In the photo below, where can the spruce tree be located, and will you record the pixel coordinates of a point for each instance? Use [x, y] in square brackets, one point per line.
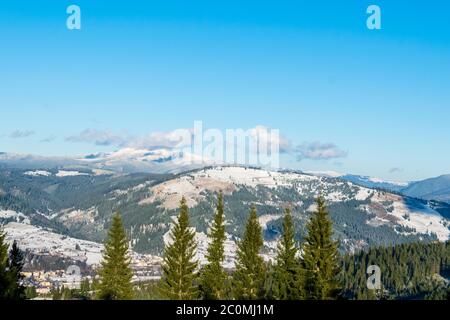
[213, 276]
[178, 280]
[288, 278]
[320, 257]
[4, 278]
[249, 276]
[16, 290]
[115, 272]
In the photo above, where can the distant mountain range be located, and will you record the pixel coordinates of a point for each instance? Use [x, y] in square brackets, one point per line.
[430, 189]
[126, 160]
[437, 188]
[371, 182]
[162, 160]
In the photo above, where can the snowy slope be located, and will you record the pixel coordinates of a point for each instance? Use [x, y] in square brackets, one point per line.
[394, 209]
[44, 242]
[40, 241]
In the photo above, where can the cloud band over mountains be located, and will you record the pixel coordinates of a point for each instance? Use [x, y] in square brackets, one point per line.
[171, 139]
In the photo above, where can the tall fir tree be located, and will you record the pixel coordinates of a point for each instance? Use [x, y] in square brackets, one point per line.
[288, 276]
[320, 257]
[4, 261]
[213, 281]
[115, 272]
[16, 290]
[249, 276]
[179, 277]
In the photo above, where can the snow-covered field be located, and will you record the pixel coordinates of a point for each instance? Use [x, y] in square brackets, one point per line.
[44, 242]
[17, 216]
[38, 173]
[230, 179]
[65, 173]
[59, 174]
[422, 219]
[225, 179]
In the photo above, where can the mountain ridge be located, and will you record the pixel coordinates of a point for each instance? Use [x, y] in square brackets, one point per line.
[80, 205]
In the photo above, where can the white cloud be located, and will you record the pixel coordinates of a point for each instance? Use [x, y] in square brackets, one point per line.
[99, 138]
[266, 137]
[182, 138]
[21, 134]
[319, 151]
[168, 139]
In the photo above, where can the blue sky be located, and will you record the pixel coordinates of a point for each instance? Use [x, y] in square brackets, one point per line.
[309, 68]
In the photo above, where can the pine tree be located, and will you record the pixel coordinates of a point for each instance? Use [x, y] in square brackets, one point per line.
[213, 276]
[249, 276]
[178, 280]
[115, 272]
[288, 278]
[4, 279]
[16, 290]
[320, 257]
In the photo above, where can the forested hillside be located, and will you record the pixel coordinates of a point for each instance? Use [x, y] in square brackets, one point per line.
[408, 271]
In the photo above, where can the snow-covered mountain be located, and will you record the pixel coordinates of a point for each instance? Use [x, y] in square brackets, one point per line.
[144, 160]
[430, 189]
[371, 182]
[365, 181]
[127, 160]
[28, 161]
[79, 204]
[164, 160]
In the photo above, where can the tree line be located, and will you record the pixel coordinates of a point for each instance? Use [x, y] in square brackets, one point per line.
[311, 275]
[409, 271]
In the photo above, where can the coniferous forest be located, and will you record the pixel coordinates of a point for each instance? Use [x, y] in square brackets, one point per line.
[313, 269]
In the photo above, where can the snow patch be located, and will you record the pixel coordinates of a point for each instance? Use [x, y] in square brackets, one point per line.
[38, 173]
[63, 173]
[265, 219]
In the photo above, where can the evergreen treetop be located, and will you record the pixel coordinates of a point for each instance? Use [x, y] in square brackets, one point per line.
[249, 276]
[4, 280]
[16, 289]
[115, 272]
[178, 280]
[320, 257]
[213, 276]
[288, 281]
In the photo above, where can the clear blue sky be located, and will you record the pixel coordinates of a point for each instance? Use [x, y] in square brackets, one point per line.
[309, 68]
